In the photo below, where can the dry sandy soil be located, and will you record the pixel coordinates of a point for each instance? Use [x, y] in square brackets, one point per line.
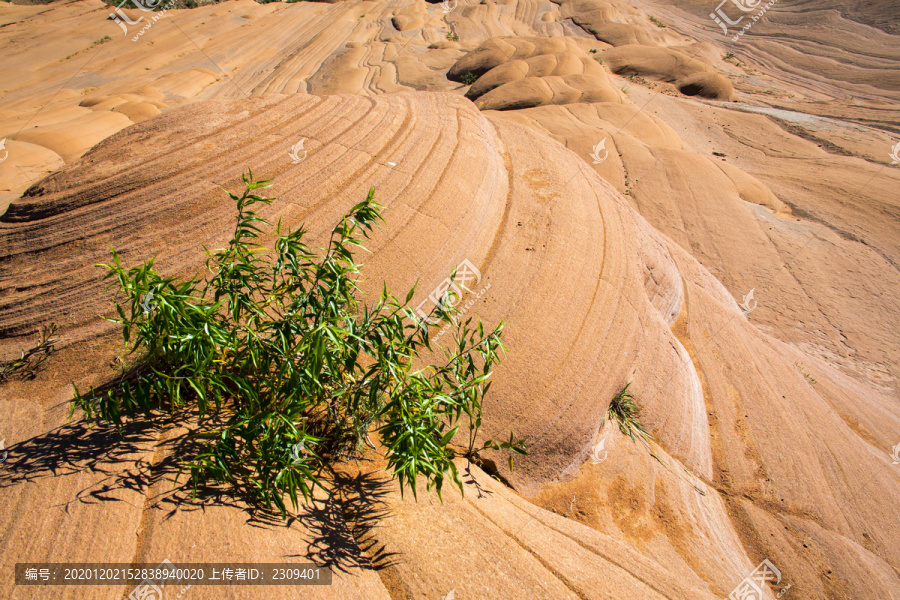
[716, 221]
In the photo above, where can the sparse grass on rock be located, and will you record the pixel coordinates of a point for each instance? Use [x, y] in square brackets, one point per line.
[30, 361]
[625, 412]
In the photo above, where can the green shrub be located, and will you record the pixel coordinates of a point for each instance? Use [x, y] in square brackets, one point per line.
[281, 370]
[469, 78]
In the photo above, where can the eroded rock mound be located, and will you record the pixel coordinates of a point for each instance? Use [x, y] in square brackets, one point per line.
[616, 22]
[521, 73]
[541, 91]
[691, 76]
[542, 65]
[516, 73]
[499, 50]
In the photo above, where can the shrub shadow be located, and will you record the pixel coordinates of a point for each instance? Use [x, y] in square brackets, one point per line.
[341, 524]
[337, 520]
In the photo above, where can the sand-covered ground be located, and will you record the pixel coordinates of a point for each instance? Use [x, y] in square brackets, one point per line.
[645, 199]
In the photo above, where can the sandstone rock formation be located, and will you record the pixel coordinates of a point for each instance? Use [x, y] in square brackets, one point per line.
[618, 210]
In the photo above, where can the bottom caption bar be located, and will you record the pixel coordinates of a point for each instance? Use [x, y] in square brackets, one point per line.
[156, 577]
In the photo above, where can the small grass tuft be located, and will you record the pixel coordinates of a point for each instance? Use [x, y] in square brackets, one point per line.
[469, 78]
[28, 364]
[452, 36]
[96, 43]
[624, 411]
[809, 378]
